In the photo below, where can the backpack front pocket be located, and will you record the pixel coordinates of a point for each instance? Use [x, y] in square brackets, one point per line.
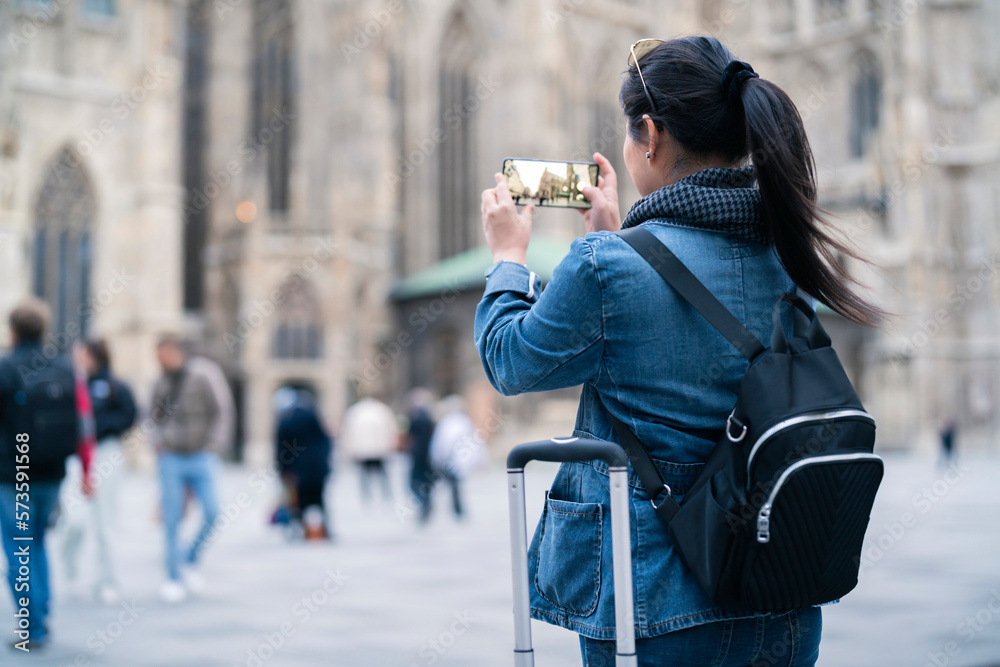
[569, 555]
[809, 529]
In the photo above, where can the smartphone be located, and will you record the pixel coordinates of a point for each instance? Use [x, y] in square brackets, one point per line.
[549, 183]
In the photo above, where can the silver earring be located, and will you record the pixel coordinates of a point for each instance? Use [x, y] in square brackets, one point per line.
[647, 155]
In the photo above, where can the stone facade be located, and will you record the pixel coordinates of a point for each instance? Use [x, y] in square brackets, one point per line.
[86, 101]
[261, 173]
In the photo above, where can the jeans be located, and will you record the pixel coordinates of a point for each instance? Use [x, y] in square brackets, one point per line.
[789, 640]
[178, 474]
[96, 514]
[43, 501]
[374, 468]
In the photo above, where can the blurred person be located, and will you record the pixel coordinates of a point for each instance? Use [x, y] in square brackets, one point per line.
[947, 431]
[114, 413]
[302, 455]
[457, 447]
[727, 180]
[193, 416]
[419, 432]
[45, 416]
[369, 434]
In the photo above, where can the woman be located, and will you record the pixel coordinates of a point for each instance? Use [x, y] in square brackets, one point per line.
[114, 413]
[302, 456]
[727, 181]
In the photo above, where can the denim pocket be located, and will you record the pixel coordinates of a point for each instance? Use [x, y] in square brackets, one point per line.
[569, 555]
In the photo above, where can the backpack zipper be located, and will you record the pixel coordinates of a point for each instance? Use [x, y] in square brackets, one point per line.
[764, 514]
[802, 419]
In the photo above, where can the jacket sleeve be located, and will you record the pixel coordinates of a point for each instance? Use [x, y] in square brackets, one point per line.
[158, 412]
[87, 442]
[221, 433]
[530, 340]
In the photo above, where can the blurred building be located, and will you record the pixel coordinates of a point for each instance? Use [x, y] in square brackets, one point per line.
[295, 184]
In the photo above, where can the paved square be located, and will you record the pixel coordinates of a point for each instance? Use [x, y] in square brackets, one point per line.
[387, 593]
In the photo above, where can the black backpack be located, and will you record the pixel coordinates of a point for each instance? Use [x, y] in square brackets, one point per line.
[776, 519]
[44, 407]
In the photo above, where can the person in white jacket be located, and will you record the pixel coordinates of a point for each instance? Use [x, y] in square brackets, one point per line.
[369, 435]
[457, 447]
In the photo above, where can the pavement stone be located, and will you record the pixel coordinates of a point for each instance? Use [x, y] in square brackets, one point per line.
[388, 593]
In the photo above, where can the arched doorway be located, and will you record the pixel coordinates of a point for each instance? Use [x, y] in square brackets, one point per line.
[62, 246]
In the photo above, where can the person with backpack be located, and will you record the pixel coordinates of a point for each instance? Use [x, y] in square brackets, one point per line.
[193, 416]
[727, 182]
[302, 456]
[114, 414]
[45, 417]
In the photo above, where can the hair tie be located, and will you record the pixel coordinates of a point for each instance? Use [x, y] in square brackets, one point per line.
[733, 76]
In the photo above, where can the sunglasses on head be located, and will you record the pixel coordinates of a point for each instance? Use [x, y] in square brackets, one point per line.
[637, 52]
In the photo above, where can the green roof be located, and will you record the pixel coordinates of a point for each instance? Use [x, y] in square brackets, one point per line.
[465, 270]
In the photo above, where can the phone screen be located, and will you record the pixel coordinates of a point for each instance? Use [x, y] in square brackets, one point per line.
[549, 183]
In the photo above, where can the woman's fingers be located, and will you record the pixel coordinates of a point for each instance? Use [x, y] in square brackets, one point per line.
[526, 213]
[489, 199]
[608, 176]
[503, 192]
[595, 196]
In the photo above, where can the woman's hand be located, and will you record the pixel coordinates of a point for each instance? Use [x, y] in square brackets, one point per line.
[603, 215]
[507, 232]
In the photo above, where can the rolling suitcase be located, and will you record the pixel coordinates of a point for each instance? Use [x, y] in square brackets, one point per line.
[564, 450]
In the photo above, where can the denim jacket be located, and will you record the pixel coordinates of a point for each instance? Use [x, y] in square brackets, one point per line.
[608, 321]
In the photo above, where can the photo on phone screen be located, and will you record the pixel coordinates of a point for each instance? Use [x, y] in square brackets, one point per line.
[549, 183]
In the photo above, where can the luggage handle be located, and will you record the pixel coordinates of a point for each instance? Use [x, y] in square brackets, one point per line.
[566, 450]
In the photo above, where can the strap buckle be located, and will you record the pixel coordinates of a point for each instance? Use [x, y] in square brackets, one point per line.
[729, 428]
[666, 493]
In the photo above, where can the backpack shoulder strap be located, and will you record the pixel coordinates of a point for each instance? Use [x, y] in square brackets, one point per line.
[678, 276]
[661, 496]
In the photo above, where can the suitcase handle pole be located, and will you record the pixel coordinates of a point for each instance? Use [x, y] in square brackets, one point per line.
[563, 450]
[523, 653]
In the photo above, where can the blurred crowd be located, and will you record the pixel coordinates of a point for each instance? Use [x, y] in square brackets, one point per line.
[64, 418]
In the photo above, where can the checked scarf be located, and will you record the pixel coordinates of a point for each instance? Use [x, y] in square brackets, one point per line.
[717, 199]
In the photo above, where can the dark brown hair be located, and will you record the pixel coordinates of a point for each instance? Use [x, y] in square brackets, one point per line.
[97, 348]
[29, 320]
[757, 122]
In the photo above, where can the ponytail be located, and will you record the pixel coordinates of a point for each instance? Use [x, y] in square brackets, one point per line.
[716, 106]
[786, 177]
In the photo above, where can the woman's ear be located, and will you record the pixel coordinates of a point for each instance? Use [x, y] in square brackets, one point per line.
[652, 136]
